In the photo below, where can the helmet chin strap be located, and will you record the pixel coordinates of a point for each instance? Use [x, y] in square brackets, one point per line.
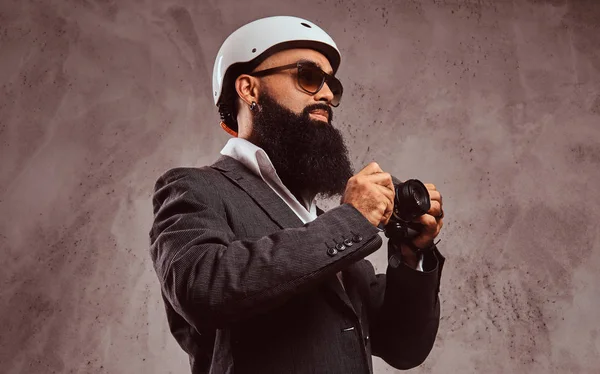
[228, 130]
[253, 108]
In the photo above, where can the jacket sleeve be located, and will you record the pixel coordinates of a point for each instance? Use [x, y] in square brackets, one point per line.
[404, 311]
[212, 279]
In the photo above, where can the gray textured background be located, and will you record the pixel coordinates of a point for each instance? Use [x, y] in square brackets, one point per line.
[496, 102]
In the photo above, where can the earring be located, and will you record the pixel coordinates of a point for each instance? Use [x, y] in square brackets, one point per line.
[253, 106]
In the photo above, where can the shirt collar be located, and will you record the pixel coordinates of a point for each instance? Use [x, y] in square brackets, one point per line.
[257, 160]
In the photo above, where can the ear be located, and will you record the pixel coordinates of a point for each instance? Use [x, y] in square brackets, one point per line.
[247, 88]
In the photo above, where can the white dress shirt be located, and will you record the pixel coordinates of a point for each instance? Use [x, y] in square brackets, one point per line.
[257, 160]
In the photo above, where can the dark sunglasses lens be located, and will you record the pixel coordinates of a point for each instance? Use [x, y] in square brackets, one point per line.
[310, 78]
[336, 88]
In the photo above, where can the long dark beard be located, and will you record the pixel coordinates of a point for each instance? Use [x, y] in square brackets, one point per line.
[309, 156]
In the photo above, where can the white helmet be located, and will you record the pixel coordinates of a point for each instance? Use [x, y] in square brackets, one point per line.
[270, 34]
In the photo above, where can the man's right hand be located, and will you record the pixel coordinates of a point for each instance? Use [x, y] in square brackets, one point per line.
[371, 192]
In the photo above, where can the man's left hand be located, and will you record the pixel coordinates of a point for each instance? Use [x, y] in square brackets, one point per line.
[432, 224]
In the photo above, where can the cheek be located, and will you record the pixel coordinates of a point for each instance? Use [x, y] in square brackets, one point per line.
[293, 101]
[299, 101]
[290, 96]
[297, 105]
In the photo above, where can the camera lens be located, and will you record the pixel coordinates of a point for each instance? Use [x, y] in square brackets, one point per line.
[412, 200]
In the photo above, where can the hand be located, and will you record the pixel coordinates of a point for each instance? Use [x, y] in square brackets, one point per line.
[371, 192]
[432, 220]
[432, 224]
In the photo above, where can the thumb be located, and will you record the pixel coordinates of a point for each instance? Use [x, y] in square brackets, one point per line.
[387, 215]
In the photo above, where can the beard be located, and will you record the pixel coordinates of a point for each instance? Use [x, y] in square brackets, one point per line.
[310, 156]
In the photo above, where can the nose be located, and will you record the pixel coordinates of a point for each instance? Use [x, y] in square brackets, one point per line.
[324, 94]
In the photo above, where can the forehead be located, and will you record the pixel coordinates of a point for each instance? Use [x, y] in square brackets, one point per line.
[291, 56]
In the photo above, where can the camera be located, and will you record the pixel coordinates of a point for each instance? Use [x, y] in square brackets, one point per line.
[411, 201]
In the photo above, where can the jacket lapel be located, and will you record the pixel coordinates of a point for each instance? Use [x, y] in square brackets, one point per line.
[259, 191]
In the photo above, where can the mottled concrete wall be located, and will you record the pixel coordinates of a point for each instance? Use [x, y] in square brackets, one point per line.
[496, 102]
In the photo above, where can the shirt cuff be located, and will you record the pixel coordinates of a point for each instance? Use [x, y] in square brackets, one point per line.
[420, 263]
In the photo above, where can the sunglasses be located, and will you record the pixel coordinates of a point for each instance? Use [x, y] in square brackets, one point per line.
[310, 78]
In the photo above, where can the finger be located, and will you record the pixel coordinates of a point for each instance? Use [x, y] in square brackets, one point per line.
[435, 195]
[383, 179]
[435, 209]
[428, 221]
[431, 229]
[430, 186]
[389, 194]
[386, 217]
[371, 168]
[389, 210]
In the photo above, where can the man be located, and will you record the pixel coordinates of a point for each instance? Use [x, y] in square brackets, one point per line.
[257, 279]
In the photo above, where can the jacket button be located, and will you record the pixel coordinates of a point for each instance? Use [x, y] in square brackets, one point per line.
[357, 238]
[348, 242]
[366, 339]
[332, 251]
[340, 247]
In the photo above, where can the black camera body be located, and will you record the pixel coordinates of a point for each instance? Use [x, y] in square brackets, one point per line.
[411, 201]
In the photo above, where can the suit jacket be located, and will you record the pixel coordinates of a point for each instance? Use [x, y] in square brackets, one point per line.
[249, 288]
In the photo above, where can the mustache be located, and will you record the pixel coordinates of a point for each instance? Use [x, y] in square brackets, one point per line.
[324, 107]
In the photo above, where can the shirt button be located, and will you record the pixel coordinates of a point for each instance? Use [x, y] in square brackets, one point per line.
[348, 242]
[332, 251]
[340, 247]
[357, 238]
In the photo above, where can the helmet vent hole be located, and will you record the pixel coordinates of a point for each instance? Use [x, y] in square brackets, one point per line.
[306, 25]
[253, 50]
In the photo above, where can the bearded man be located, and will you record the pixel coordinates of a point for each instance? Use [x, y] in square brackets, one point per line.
[255, 277]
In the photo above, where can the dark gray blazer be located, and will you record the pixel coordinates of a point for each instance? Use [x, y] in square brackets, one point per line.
[249, 288]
